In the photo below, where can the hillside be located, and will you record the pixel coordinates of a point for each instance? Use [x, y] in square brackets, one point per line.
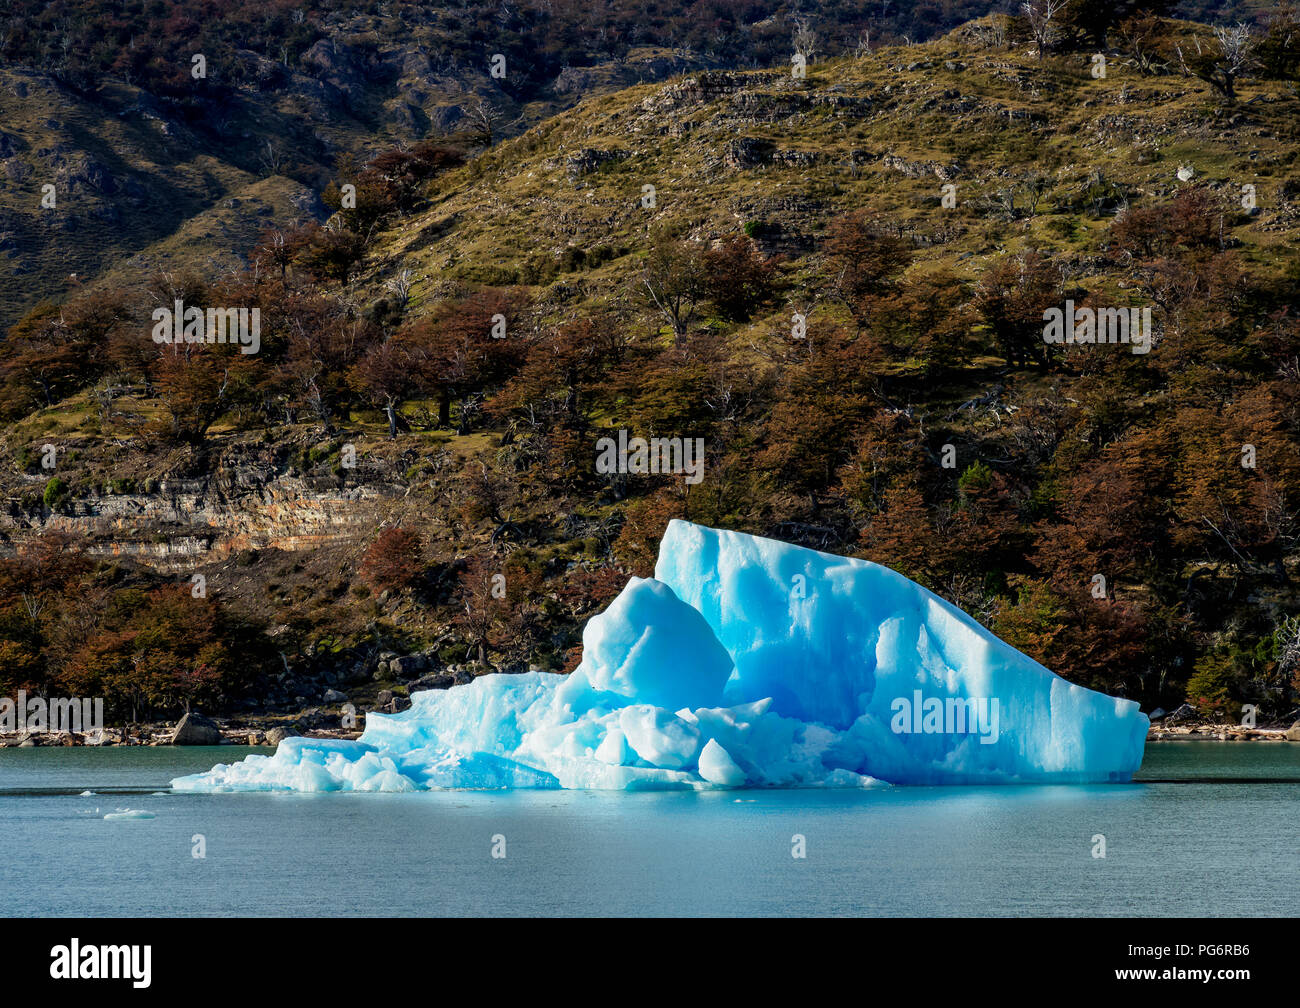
[839, 285]
[104, 102]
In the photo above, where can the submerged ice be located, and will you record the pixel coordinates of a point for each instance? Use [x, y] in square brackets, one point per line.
[743, 662]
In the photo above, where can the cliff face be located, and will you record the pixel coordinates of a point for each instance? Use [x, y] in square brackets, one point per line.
[189, 523]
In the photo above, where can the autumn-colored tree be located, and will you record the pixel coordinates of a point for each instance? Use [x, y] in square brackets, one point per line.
[193, 387]
[888, 446]
[161, 651]
[927, 317]
[1110, 513]
[865, 255]
[1011, 297]
[1192, 221]
[331, 253]
[394, 561]
[390, 183]
[824, 395]
[325, 340]
[560, 375]
[737, 277]
[901, 534]
[465, 346]
[54, 351]
[278, 248]
[1097, 643]
[501, 612]
[637, 546]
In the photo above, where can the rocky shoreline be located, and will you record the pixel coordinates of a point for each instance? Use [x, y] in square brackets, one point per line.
[339, 716]
[1185, 725]
[317, 722]
[198, 730]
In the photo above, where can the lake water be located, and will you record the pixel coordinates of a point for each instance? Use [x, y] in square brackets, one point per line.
[1209, 830]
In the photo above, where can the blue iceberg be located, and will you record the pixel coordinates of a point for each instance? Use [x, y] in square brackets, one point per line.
[745, 662]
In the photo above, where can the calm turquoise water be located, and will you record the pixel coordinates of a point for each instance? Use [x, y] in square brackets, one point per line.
[1210, 832]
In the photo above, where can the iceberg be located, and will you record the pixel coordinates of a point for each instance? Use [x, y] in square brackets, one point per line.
[744, 662]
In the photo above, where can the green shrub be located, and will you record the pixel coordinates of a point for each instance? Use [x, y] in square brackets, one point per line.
[55, 491]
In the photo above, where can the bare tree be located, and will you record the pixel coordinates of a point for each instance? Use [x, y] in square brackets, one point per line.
[1042, 18]
[990, 33]
[1034, 187]
[272, 158]
[400, 287]
[805, 41]
[1287, 635]
[1141, 38]
[483, 117]
[1221, 69]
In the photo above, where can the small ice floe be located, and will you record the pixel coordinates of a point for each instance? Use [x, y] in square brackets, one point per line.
[86, 794]
[130, 814]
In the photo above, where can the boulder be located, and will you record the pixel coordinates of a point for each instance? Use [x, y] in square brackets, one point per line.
[407, 667]
[333, 696]
[384, 697]
[195, 729]
[460, 675]
[1293, 733]
[277, 735]
[435, 680]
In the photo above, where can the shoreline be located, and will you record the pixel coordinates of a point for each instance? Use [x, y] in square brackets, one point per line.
[269, 733]
[161, 734]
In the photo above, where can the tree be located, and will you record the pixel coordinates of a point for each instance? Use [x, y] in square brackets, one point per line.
[676, 279]
[1220, 64]
[394, 561]
[193, 383]
[902, 534]
[1142, 39]
[1044, 17]
[804, 40]
[1094, 19]
[1011, 298]
[1211, 685]
[385, 376]
[738, 279]
[820, 402]
[501, 611]
[1278, 52]
[331, 253]
[1192, 221]
[560, 376]
[464, 346]
[866, 258]
[325, 338]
